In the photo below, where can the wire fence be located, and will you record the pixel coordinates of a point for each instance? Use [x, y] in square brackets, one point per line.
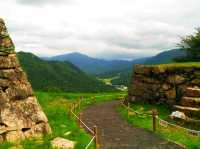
[157, 121]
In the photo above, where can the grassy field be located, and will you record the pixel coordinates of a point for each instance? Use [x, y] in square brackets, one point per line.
[55, 106]
[145, 122]
[108, 81]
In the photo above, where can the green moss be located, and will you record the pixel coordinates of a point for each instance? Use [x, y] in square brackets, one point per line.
[179, 65]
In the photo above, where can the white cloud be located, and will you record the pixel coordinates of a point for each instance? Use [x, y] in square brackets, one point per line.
[100, 28]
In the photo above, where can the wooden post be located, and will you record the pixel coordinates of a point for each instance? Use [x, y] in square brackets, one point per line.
[96, 141]
[94, 99]
[81, 98]
[79, 120]
[154, 114]
[79, 104]
[128, 110]
[69, 111]
[74, 107]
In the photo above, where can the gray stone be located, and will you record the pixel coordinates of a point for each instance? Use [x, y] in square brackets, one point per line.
[192, 92]
[9, 61]
[61, 143]
[196, 81]
[13, 136]
[166, 87]
[171, 94]
[6, 44]
[142, 69]
[176, 79]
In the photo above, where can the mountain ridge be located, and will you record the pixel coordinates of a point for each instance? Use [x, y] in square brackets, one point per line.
[125, 75]
[58, 76]
[92, 65]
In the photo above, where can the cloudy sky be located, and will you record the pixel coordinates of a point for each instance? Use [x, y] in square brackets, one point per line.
[110, 29]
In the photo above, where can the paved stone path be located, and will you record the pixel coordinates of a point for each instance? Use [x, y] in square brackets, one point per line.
[116, 133]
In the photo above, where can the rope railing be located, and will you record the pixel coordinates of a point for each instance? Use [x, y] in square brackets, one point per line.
[165, 123]
[162, 122]
[72, 111]
[132, 110]
[92, 132]
[90, 143]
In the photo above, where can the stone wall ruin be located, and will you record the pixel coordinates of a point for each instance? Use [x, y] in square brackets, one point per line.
[178, 87]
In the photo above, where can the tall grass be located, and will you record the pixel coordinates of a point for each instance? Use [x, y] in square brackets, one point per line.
[177, 135]
[56, 106]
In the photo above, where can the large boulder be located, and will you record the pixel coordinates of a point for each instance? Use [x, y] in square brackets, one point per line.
[21, 116]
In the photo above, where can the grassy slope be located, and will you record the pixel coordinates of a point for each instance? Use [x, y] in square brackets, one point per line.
[60, 76]
[55, 105]
[186, 64]
[146, 122]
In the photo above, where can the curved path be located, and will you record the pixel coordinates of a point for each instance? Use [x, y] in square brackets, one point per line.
[115, 133]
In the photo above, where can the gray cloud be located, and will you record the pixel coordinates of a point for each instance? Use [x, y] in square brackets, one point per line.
[43, 2]
[130, 29]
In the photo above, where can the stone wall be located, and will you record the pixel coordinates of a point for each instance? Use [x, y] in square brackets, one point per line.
[164, 84]
[21, 116]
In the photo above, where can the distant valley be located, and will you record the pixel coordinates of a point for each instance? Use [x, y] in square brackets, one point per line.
[118, 72]
[59, 76]
[76, 72]
[91, 65]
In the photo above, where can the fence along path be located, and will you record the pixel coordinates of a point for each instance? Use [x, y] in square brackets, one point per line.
[115, 133]
[72, 111]
[161, 122]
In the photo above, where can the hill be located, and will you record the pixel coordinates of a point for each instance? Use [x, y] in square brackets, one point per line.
[161, 58]
[58, 76]
[166, 56]
[92, 65]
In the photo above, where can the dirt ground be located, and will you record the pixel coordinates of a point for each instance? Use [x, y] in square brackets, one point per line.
[115, 133]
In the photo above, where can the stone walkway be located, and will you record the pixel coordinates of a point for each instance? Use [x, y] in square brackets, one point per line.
[116, 133]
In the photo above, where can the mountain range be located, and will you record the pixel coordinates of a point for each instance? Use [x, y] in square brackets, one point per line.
[59, 76]
[166, 56]
[92, 65]
[98, 67]
[161, 58]
[77, 72]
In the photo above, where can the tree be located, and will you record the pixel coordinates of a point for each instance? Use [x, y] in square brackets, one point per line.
[191, 44]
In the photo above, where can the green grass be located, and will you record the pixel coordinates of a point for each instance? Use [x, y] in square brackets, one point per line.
[176, 135]
[43, 76]
[108, 81]
[181, 64]
[55, 106]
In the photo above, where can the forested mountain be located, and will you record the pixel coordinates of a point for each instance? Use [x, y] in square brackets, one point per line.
[125, 75]
[57, 73]
[92, 65]
[166, 56]
[58, 76]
